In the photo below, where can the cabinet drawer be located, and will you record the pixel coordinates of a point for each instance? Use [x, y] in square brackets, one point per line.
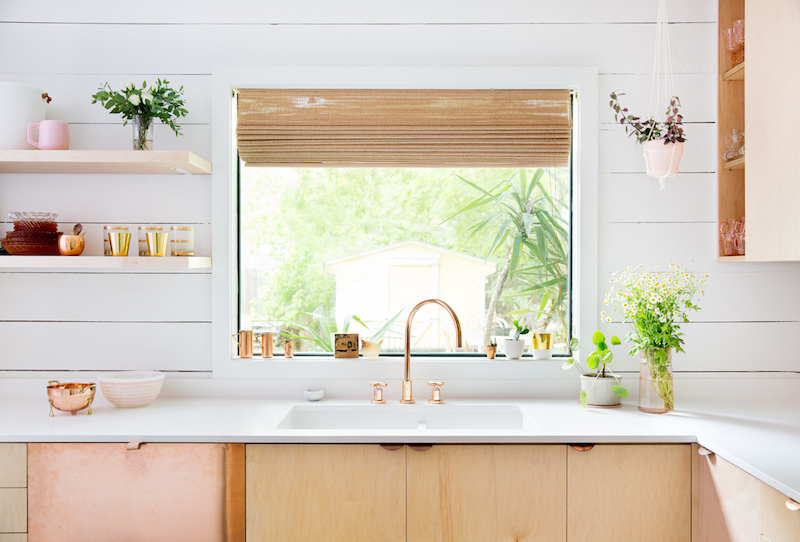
[778, 523]
[13, 537]
[13, 465]
[13, 510]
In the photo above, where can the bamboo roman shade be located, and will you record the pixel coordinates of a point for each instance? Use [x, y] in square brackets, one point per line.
[393, 128]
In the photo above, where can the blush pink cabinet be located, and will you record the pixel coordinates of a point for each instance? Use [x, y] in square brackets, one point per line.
[154, 492]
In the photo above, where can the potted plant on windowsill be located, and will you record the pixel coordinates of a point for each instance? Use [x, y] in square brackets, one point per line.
[491, 349]
[601, 388]
[663, 141]
[513, 348]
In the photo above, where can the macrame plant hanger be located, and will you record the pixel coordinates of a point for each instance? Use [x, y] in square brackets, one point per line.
[662, 69]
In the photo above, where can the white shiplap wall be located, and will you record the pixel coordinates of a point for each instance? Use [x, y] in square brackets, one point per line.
[91, 321]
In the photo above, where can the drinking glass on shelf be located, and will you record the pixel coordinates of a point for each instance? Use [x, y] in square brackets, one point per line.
[738, 31]
[182, 241]
[732, 46]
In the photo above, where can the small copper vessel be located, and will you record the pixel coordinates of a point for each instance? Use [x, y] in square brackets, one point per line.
[70, 397]
[70, 245]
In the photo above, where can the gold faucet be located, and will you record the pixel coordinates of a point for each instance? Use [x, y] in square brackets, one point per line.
[407, 399]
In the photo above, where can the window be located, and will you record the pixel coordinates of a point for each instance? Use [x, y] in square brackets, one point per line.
[225, 211]
[355, 249]
[326, 250]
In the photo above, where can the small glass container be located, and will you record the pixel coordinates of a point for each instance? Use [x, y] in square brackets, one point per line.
[182, 241]
[106, 239]
[143, 231]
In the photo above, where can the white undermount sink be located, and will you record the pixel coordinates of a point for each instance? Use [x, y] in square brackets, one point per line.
[416, 417]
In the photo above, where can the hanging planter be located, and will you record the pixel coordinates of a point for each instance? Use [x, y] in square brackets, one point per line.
[662, 139]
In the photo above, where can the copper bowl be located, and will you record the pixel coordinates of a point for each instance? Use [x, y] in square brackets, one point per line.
[70, 245]
[70, 397]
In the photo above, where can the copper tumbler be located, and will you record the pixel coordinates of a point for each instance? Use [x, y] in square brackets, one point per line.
[245, 341]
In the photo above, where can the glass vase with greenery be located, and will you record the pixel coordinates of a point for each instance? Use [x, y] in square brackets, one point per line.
[142, 106]
[655, 304]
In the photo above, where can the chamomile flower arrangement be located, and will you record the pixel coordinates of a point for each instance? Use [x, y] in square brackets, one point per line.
[142, 106]
[655, 304]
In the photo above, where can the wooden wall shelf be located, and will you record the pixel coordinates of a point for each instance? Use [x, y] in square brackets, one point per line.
[734, 74]
[734, 164]
[126, 162]
[731, 258]
[103, 262]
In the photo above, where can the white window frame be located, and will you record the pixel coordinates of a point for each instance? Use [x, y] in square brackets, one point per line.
[225, 361]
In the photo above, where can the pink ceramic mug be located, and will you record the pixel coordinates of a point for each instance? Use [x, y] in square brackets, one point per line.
[53, 135]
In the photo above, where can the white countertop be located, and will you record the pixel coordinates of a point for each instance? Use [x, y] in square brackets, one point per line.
[754, 425]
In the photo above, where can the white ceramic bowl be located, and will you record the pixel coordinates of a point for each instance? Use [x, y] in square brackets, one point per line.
[130, 389]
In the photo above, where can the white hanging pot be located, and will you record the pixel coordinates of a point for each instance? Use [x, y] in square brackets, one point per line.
[662, 161]
[20, 105]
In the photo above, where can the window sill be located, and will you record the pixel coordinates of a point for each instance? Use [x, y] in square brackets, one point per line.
[320, 368]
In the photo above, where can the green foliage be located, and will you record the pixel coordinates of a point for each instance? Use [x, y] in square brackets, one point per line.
[519, 330]
[600, 358]
[156, 102]
[529, 219]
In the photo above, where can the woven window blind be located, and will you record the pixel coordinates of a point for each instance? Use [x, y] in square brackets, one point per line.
[395, 128]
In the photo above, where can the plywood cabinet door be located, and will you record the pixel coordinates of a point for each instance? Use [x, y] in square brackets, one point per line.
[772, 113]
[778, 522]
[728, 502]
[13, 465]
[636, 492]
[330, 492]
[161, 492]
[487, 492]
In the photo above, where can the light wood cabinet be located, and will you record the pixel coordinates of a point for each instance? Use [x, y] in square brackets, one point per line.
[331, 492]
[778, 522]
[487, 492]
[629, 492]
[764, 186]
[160, 492]
[728, 502]
[13, 492]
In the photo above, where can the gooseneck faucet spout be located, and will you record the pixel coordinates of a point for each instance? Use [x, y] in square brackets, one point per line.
[407, 397]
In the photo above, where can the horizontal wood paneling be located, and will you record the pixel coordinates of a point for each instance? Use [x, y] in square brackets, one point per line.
[752, 304]
[620, 153]
[118, 199]
[72, 94]
[740, 297]
[689, 197]
[731, 346]
[358, 11]
[198, 48]
[98, 297]
[696, 91]
[95, 346]
[689, 243]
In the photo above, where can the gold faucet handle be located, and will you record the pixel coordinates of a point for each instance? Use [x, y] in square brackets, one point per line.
[436, 393]
[377, 396]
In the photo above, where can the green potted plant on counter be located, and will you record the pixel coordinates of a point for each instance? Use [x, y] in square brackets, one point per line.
[513, 348]
[601, 388]
[655, 304]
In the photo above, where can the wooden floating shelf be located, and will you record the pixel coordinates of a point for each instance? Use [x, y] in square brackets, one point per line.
[731, 258]
[141, 162]
[104, 262]
[734, 74]
[734, 164]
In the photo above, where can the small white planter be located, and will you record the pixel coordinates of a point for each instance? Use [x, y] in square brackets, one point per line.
[512, 349]
[599, 392]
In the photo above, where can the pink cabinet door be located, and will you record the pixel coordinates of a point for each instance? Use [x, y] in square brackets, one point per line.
[159, 492]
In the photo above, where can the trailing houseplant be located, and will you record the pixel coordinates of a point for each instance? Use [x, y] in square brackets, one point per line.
[655, 304]
[662, 140]
[142, 106]
[610, 388]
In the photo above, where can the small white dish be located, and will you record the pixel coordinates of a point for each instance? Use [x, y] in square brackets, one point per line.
[314, 395]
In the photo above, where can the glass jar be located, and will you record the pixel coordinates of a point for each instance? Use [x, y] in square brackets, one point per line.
[656, 392]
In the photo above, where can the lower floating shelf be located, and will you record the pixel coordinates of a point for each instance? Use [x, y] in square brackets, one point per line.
[731, 259]
[104, 262]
